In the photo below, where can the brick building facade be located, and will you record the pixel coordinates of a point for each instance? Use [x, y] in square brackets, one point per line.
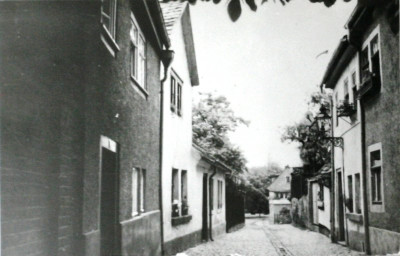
[80, 127]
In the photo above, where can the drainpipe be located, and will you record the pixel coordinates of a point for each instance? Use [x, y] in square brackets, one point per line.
[211, 201]
[333, 236]
[344, 194]
[167, 57]
[364, 181]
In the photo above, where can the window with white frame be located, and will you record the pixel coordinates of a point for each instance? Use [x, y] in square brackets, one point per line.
[346, 90]
[184, 194]
[354, 89]
[357, 193]
[220, 194]
[349, 199]
[108, 16]
[137, 55]
[176, 93]
[138, 190]
[376, 176]
[336, 104]
[370, 57]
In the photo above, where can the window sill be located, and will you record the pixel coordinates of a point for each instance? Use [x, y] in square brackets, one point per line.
[176, 221]
[143, 92]
[109, 41]
[354, 217]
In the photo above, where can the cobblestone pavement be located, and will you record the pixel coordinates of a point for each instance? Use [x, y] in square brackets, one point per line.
[260, 238]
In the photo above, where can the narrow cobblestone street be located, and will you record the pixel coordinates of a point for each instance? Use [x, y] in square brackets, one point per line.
[260, 238]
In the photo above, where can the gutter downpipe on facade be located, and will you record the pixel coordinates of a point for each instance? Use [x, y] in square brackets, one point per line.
[211, 201]
[333, 236]
[364, 168]
[167, 56]
[364, 181]
[344, 194]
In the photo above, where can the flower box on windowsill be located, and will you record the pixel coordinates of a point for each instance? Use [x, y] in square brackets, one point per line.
[175, 221]
[354, 217]
[344, 108]
[370, 86]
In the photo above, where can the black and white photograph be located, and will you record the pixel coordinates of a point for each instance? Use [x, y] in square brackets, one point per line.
[199, 127]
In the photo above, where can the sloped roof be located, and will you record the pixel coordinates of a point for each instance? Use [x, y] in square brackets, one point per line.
[211, 160]
[172, 11]
[281, 184]
[178, 11]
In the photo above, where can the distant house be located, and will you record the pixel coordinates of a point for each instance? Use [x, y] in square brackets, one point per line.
[80, 122]
[279, 193]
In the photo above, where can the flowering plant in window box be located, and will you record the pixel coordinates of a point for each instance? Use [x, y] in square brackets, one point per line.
[175, 209]
[185, 208]
[345, 108]
[370, 85]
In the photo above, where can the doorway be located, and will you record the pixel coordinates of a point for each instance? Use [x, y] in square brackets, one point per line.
[109, 234]
[340, 207]
[204, 230]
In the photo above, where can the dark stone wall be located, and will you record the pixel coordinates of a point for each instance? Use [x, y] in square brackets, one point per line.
[141, 236]
[41, 127]
[60, 91]
[182, 243]
[382, 124]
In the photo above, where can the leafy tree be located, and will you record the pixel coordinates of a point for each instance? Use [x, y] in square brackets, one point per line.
[313, 146]
[212, 121]
[235, 6]
[257, 181]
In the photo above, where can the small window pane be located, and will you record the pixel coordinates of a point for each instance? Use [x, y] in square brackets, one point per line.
[134, 33]
[374, 45]
[142, 189]
[357, 195]
[135, 191]
[133, 61]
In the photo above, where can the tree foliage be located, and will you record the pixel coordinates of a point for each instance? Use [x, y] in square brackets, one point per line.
[212, 121]
[313, 146]
[235, 6]
[257, 181]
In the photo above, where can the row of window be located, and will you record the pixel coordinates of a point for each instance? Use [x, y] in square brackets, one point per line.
[179, 194]
[137, 42]
[138, 54]
[353, 200]
[369, 64]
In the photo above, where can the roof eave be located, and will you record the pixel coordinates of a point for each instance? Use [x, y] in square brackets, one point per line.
[341, 57]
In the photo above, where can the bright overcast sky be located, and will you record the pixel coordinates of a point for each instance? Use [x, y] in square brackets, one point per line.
[266, 65]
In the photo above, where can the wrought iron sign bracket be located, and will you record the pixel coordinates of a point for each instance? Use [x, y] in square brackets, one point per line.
[336, 141]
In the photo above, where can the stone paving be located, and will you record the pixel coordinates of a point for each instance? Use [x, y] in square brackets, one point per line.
[260, 238]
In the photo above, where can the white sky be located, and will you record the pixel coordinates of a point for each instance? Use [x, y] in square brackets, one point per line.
[265, 64]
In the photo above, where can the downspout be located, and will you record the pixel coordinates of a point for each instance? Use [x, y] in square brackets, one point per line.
[344, 194]
[211, 201]
[167, 57]
[364, 168]
[333, 236]
[364, 181]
